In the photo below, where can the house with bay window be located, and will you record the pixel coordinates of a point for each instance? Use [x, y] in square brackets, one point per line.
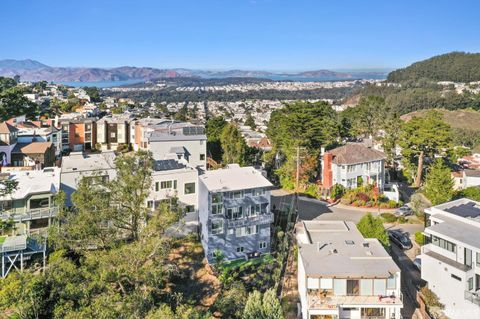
[451, 256]
[234, 213]
[343, 275]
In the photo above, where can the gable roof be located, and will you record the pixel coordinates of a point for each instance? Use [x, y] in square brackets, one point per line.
[6, 128]
[355, 153]
[32, 148]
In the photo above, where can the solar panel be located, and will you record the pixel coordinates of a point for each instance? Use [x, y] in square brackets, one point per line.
[169, 164]
[465, 210]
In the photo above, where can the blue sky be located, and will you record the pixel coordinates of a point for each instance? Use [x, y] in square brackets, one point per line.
[221, 34]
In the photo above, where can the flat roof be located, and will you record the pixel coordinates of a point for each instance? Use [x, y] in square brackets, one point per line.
[337, 249]
[34, 182]
[80, 162]
[234, 177]
[467, 233]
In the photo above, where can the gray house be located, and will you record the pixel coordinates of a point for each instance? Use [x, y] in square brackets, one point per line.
[234, 212]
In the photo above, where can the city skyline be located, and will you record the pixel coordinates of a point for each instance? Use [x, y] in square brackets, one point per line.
[257, 35]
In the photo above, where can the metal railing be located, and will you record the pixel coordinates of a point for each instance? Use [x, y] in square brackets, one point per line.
[473, 297]
[35, 213]
[258, 219]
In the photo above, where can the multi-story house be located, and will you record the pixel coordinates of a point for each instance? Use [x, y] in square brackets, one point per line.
[31, 205]
[451, 256]
[353, 165]
[341, 274]
[174, 178]
[78, 165]
[78, 132]
[113, 131]
[34, 154]
[165, 137]
[8, 140]
[234, 212]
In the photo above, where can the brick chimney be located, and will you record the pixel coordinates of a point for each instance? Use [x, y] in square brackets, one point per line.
[327, 178]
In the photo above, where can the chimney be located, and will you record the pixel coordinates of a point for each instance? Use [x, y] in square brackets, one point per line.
[327, 175]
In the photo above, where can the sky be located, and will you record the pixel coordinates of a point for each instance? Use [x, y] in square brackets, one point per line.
[241, 34]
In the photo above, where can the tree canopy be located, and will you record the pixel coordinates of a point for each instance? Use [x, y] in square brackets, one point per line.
[439, 183]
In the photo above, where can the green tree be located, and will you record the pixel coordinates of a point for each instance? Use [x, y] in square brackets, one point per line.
[439, 183]
[253, 306]
[423, 137]
[263, 307]
[93, 93]
[250, 121]
[231, 301]
[233, 145]
[372, 227]
[214, 128]
[472, 192]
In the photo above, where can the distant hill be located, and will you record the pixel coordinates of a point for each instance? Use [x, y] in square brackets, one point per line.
[462, 119]
[455, 66]
[31, 70]
[21, 64]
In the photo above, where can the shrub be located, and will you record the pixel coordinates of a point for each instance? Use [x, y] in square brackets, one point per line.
[363, 197]
[401, 220]
[372, 227]
[338, 191]
[392, 204]
[430, 298]
[419, 238]
[389, 217]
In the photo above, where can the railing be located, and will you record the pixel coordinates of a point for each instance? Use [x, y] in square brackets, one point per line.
[35, 213]
[473, 297]
[259, 219]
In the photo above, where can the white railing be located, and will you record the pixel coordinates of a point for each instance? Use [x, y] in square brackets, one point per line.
[258, 219]
[35, 213]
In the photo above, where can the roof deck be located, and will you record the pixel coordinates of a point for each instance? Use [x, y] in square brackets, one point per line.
[317, 301]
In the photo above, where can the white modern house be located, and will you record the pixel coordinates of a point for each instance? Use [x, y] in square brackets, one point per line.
[174, 178]
[353, 165]
[79, 165]
[343, 275]
[234, 212]
[164, 137]
[466, 178]
[451, 256]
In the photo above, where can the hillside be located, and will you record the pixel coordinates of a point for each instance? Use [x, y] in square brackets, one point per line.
[455, 66]
[461, 119]
[21, 64]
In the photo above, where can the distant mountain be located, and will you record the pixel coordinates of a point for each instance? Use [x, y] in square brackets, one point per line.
[30, 70]
[21, 64]
[455, 66]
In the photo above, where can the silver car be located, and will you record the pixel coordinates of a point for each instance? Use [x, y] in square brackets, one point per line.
[404, 211]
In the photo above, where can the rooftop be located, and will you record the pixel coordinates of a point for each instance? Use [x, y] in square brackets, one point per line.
[79, 162]
[6, 128]
[338, 249]
[234, 177]
[355, 153]
[462, 207]
[168, 164]
[32, 148]
[34, 182]
[176, 131]
[466, 233]
[472, 173]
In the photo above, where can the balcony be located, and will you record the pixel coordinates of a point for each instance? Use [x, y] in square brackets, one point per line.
[473, 297]
[256, 220]
[316, 301]
[35, 213]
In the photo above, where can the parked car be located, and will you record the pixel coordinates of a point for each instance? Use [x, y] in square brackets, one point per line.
[399, 239]
[417, 262]
[404, 211]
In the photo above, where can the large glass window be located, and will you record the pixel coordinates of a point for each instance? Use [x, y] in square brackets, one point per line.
[468, 257]
[392, 282]
[379, 287]
[445, 244]
[217, 227]
[366, 287]
[353, 287]
[168, 185]
[217, 209]
[189, 188]
[339, 287]
[216, 198]
[373, 312]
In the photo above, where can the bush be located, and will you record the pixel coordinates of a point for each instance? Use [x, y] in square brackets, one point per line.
[363, 197]
[372, 227]
[419, 238]
[392, 204]
[430, 298]
[389, 217]
[337, 191]
[402, 220]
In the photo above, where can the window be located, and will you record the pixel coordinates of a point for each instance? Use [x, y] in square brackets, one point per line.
[247, 230]
[258, 192]
[478, 260]
[202, 157]
[373, 312]
[166, 184]
[157, 186]
[235, 212]
[237, 194]
[353, 287]
[217, 209]
[468, 257]
[189, 208]
[392, 282]
[240, 249]
[263, 245]
[379, 287]
[189, 188]
[442, 243]
[217, 227]
[456, 277]
[470, 283]
[217, 198]
[366, 287]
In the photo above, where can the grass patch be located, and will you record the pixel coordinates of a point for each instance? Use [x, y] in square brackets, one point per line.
[241, 264]
[2, 239]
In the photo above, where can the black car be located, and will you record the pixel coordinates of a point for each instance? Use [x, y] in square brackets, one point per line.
[399, 239]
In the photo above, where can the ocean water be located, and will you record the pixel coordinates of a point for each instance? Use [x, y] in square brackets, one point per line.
[101, 84]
